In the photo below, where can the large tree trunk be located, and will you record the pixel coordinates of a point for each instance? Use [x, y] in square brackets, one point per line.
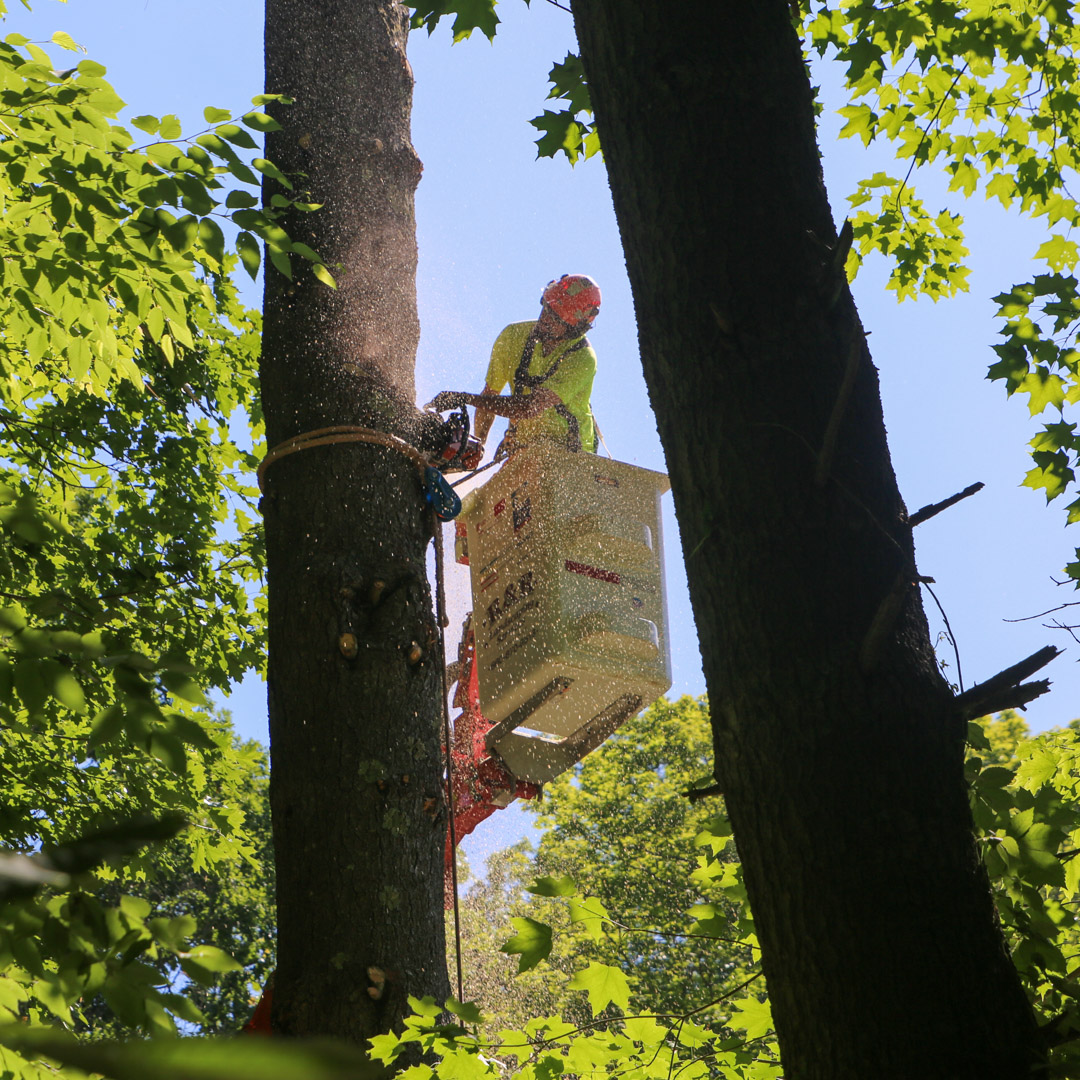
[838, 745]
[354, 685]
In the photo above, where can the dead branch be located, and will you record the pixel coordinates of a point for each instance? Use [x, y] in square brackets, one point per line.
[927, 512]
[697, 794]
[1007, 690]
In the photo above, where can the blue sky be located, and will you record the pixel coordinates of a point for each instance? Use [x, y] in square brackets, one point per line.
[494, 225]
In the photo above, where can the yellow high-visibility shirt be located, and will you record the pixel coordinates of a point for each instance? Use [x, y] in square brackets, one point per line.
[572, 381]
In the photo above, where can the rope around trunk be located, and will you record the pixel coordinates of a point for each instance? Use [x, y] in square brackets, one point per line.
[350, 433]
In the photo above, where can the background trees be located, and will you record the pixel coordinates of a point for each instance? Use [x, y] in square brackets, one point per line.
[124, 355]
[621, 827]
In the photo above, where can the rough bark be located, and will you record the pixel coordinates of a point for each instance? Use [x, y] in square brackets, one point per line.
[354, 687]
[838, 745]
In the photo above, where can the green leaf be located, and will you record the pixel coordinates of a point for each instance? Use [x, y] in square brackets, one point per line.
[48, 993]
[191, 732]
[752, 1016]
[568, 83]
[532, 941]
[710, 921]
[1059, 252]
[182, 233]
[211, 958]
[63, 686]
[693, 1036]
[169, 750]
[250, 253]
[562, 133]
[1039, 767]
[591, 914]
[268, 168]
[469, 15]
[645, 1030]
[281, 262]
[467, 1011]
[604, 984]
[1044, 389]
[30, 685]
[215, 116]
[212, 239]
[238, 200]
[235, 134]
[183, 686]
[170, 128]
[66, 41]
[324, 275]
[552, 886]
[260, 121]
[107, 725]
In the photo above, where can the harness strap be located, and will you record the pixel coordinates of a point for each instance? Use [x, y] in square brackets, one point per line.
[523, 380]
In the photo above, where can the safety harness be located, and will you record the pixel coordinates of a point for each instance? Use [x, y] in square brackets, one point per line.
[524, 381]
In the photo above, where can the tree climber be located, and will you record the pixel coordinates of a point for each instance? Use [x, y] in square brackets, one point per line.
[549, 365]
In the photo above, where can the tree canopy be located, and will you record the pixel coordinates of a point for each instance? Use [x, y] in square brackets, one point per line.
[129, 571]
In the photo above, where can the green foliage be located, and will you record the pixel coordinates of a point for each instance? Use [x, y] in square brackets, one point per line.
[612, 988]
[987, 91]
[130, 563]
[192, 1059]
[230, 906]
[571, 130]
[469, 15]
[623, 950]
[728, 1036]
[926, 253]
[60, 944]
[1025, 796]
[622, 823]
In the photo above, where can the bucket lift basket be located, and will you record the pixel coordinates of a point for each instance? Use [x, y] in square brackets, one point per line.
[566, 561]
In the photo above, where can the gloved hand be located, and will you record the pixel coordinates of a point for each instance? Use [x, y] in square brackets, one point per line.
[448, 399]
[472, 455]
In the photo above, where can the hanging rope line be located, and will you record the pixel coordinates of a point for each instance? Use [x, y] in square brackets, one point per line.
[342, 433]
[443, 620]
[350, 433]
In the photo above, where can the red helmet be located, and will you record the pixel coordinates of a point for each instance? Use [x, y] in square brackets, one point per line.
[575, 298]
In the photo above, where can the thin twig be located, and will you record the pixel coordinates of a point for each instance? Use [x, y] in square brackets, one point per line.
[1049, 611]
[948, 629]
[926, 131]
[1057, 624]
